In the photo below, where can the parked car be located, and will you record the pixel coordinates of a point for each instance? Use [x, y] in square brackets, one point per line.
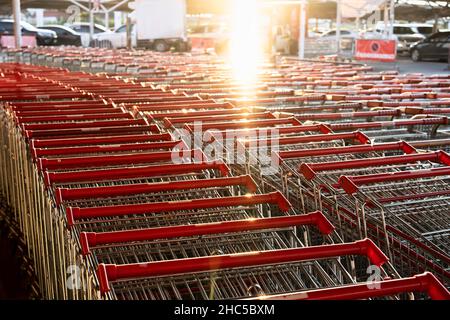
[435, 47]
[347, 37]
[7, 28]
[114, 39]
[83, 28]
[43, 37]
[66, 36]
[331, 34]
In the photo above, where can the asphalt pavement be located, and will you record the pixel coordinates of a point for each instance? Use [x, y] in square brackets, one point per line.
[406, 65]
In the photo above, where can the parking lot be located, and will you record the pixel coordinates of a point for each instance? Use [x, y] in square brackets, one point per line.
[406, 65]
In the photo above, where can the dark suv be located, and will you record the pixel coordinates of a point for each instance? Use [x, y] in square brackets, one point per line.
[43, 37]
[435, 47]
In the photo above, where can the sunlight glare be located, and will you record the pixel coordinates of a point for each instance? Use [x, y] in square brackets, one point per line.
[246, 45]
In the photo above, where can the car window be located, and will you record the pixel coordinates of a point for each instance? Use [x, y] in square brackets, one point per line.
[83, 29]
[97, 30]
[28, 26]
[56, 29]
[122, 29]
[330, 33]
[425, 30]
[439, 37]
[6, 27]
[403, 30]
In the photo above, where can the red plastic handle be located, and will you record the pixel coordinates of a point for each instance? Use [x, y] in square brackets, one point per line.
[425, 282]
[186, 113]
[430, 143]
[113, 159]
[87, 124]
[54, 143]
[187, 105]
[351, 184]
[133, 173]
[67, 112]
[38, 152]
[74, 213]
[351, 115]
[247, 124]
[351, 149]
[47, 106]
[388, 124]
[361, 137]
[64, 194]
[91, 239]
[111, 272]
[91, 132]
[78, 117]
[310, 170]
[278, 131]
[171, 120]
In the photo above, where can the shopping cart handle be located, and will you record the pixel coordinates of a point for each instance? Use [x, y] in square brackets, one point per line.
[112, 272]
[310, 170]
[211, 134]
[255, 124]
[85, 124]
[55, 143]
[349, 115]
[89, 240]
[69, 118]
[75, 213]
[359, 136]
[117, 148]
[65, 194]
[425, 282]
[402, 146]
[119, 159]
[388, 124]
[170, 121]
[90, 132]
[351, 184]
[190, 105]
[133, 172]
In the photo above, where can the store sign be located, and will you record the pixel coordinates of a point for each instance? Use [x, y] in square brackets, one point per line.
[374, 49]
[9, 42]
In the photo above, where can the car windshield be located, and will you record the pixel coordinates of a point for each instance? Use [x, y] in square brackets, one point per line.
[403, 30]
[28, 26]
[425, 30]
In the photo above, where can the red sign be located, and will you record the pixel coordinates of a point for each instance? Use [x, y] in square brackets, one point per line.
[9, 42]
[374, 49]
[202, 43]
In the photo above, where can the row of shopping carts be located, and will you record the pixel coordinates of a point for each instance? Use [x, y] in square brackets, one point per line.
[118, 199]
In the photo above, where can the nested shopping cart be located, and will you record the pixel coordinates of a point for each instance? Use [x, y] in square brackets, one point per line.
[391, 172]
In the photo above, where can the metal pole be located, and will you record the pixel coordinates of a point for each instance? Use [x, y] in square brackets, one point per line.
[338, 25]
[392, 18]
[129, 42]
[106, 19]
[17, 26]
[386, 21]
[91, 22]
[117, 19]
[302, 34]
